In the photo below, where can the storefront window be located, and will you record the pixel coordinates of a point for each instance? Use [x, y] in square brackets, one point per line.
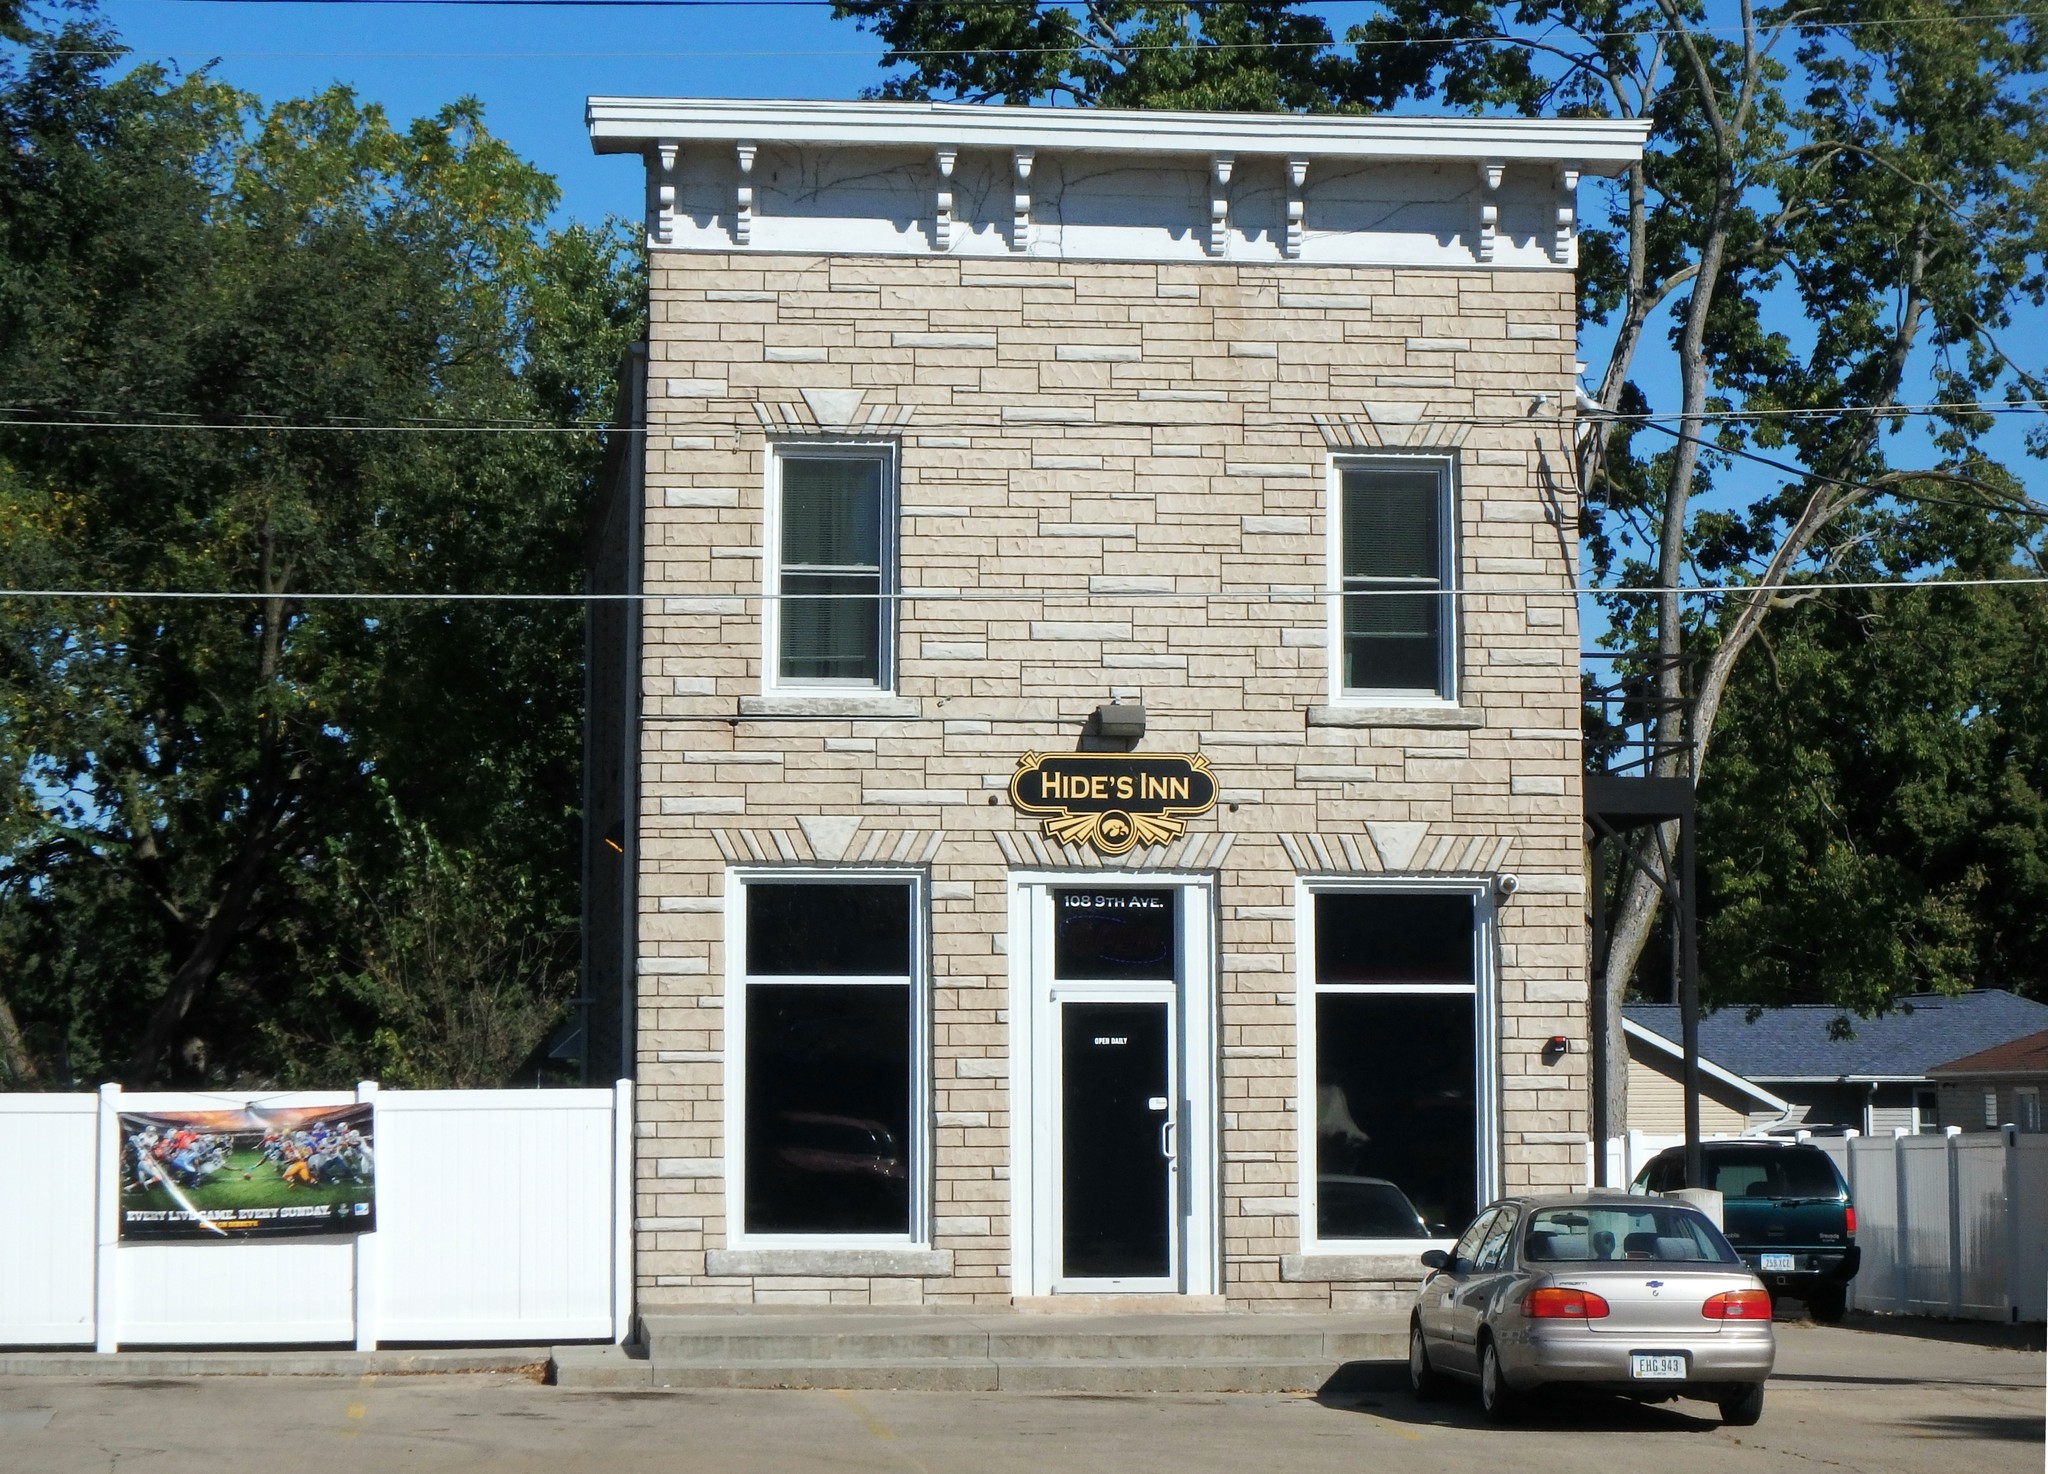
[830, 1035]
[1396, 1065]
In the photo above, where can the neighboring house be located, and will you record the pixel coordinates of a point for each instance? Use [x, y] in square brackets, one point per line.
[1999, 1086]
[1729, 1104]
[1877, 1080]
[1089, 803]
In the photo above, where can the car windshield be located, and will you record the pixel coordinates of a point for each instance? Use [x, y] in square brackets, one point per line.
[1665, 1235]
[1369, 1209]
[1773, 1172]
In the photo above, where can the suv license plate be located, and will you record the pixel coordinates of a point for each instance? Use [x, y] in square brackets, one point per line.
[1656, 1366]
[1779, 1263]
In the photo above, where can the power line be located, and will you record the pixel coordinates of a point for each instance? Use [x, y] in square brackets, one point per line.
[723, 601]
[1080, 41]
[669, 420]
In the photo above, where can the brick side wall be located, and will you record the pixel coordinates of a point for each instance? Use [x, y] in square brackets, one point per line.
[1120, 431]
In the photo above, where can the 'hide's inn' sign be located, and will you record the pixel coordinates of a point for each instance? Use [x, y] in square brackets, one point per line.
[1113, 800]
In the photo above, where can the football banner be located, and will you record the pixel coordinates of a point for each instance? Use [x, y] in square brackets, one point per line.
[248, 1172]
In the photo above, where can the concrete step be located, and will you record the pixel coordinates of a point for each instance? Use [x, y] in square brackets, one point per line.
[600, 1366]
[1087, 1374]
[999, 1350]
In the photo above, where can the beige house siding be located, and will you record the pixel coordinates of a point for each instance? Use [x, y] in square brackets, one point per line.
[1962, 1102]
[1114, 435]
[1656, 1098]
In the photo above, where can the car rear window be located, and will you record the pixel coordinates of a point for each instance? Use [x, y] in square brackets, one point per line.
[1604, 1234]
[1773, 1172]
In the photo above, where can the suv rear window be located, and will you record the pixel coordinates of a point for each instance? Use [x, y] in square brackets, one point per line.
[1773, 1172]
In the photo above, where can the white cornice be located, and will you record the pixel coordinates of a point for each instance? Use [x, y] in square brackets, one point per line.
[636, 124]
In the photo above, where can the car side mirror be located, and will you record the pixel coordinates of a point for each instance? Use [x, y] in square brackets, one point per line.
[1435, 1259]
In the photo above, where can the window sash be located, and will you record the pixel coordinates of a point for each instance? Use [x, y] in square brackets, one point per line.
[825, 1140]
[833, 547]
[1313, 996]
[1392, 551]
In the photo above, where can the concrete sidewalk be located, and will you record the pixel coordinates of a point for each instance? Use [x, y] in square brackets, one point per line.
[283, 1362]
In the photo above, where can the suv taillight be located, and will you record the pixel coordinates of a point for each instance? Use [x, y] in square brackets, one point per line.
[1849, 1220]
[1738, 1305]
[1564, 1305]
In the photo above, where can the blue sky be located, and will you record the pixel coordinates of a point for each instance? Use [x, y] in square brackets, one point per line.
[532, 68]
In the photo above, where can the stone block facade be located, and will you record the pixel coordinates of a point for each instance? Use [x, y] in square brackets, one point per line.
[1113, 480]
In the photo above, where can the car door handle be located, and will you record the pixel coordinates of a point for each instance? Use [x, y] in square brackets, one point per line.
[1166, 1139]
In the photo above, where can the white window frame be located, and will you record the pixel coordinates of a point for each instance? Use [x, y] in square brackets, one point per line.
[1484, 990]
[919, 1146]
[1448, 564]
[772, 680]
[1034, 1043]
[2026, 1107]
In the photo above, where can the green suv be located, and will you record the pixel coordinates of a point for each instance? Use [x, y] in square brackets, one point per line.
[1785, 1209]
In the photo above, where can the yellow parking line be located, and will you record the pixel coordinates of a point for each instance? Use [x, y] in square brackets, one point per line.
[875, 1427]
[1391, 1426]
[356, 1412]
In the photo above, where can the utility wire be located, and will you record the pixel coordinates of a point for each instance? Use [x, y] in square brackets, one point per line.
[669, 420]
[1080, 42]
[720, 602]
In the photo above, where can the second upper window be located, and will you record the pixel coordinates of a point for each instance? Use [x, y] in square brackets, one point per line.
[832, 545]
[1395, 622]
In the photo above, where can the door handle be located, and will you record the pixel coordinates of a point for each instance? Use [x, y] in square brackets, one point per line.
[1167, 1139]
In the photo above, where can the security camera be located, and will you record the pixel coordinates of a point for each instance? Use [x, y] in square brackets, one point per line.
[1507, 885]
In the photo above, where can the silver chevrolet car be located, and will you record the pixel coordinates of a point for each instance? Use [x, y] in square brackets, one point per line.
[1623, 1294]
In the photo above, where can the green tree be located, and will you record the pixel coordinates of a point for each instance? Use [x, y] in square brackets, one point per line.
[1839, 213]
[198, 787]
[1876, 817]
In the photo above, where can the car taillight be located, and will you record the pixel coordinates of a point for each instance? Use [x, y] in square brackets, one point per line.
[1564, 1305]
[1738, 1305]
[1849, 1219]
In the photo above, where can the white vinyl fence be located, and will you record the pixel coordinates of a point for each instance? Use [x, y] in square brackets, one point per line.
[501, 1215]
[1953, 1225]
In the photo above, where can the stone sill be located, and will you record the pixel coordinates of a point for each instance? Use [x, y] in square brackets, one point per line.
[830, 1263]
[1324, 1269]
[801, 707]
[1462, 718]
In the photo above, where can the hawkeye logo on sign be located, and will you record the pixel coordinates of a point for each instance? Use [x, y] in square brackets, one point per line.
[1113, 800]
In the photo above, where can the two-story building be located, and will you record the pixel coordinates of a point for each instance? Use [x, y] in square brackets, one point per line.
[1085, 719]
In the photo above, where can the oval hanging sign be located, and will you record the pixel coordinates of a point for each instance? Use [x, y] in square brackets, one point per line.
[1113, 800]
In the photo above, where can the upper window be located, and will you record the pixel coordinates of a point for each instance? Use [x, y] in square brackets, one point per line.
[1396, 621]
[829, 1042]
[1394, 1025]
[831, 534]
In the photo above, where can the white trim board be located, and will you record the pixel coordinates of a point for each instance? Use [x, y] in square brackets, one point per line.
[631, 124]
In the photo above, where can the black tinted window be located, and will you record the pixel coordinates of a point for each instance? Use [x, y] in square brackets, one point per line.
[1395, 1101]
[1773, 1172]
[1364, 938]
[828, 1108]
[800, 928]
[1113, 935]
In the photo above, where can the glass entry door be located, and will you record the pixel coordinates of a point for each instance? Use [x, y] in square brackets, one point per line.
[1115, 995]
[1117, 1148]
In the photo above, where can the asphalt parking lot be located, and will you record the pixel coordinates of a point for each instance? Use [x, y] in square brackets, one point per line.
[1847, 1398]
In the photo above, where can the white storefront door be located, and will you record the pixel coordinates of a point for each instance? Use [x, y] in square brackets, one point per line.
[1113, 1085]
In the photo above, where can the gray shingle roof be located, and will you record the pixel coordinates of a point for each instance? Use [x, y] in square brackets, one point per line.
[1792, 1043]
